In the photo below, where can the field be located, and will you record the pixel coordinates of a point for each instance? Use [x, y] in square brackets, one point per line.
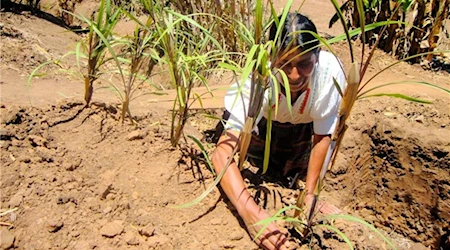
[79, 179]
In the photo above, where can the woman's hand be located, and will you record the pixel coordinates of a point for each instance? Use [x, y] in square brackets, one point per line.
[323, 207]
[272, 237]
[233, 185]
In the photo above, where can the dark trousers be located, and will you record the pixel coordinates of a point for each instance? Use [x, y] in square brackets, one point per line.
[290, 146]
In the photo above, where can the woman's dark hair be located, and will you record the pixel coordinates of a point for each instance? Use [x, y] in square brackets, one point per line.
[290, 37]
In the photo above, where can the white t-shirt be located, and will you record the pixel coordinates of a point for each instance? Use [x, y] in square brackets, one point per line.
[318, 104]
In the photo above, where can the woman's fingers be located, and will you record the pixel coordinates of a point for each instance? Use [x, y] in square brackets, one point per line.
[272, 239]
[328, 209]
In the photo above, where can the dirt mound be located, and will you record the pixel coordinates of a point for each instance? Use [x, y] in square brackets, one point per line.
[80, 180]
[398, 179]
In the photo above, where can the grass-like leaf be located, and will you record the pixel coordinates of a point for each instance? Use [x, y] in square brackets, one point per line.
[362, 222]
[397, 95]
[403, 82]
[204, 152]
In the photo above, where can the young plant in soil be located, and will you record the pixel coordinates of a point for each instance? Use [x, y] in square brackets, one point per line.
[92, 52]
[189, 51]
[139, 52]
[98, 43]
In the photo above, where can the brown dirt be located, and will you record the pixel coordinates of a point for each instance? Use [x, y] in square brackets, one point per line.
[81, 180]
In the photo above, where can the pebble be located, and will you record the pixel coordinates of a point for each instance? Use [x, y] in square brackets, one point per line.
[155, 130]
[390, 114]
[112, 229]
[12, 217]
[71, 166]
[147, 231]
[45, 154]
[131, 239]
[107, 210]
[7, 239]
[75, 233]
[159, 242]
[16, 200]
[54, 225]
[63, 200]
[216, 221]
[104, 190]
[136, 135]
[420, 119]
[236, 235]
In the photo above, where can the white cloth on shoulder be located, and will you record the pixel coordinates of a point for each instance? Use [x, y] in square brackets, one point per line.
[319, 104]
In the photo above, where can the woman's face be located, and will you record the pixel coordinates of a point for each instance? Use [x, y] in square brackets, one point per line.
[297, 68]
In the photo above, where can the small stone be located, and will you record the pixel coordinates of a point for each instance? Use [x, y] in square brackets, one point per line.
[45, 154]
[16, 200]
[147, 231]
[216, 221]
[236, 235]
[152, 242]
[135, 195]
[390, 114]
[71, 166]
[111, 229]
[164, 242]
[104, 190]
[107, 210]
[7, 239]
[63, 200]
[136, 135]
[155, 130]
[131, 239]
[54, 225]
[420, 119]
[75, 233]
[12, 217]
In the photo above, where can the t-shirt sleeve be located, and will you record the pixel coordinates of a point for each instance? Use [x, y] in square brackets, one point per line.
[325, 107]
[236, 102]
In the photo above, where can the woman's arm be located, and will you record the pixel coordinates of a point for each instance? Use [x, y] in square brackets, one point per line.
[317, 157]
[321, 143]
[233, 185]
[232, 182]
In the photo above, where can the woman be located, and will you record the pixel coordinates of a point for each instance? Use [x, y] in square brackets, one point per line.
[299, 141]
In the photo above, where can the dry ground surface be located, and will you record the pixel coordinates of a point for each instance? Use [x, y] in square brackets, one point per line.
[78, 179]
